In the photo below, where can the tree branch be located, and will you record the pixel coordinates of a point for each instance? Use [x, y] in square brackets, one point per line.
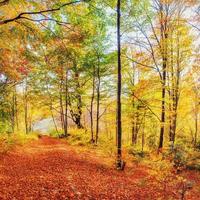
[46, 19]
[22, 15]
[4, 2]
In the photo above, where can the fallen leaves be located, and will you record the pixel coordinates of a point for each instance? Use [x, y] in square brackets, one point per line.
[51, 169]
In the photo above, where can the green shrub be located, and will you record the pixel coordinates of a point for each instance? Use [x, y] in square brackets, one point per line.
[79, 137]
[55, 133]
[152, 141]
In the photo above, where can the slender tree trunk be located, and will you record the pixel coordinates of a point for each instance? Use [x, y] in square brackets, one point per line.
[119, 163]
[162, 128]
[13, 110]
[164, 51]
[133, 140]
[16, 110]
[53, 118]
[26, 107]
[91, 107]
[61, 105]
[51, 110]
[78, 114]
[66, 105]
[175, 92]
[98, 102]
[135, 126]
[143, 132]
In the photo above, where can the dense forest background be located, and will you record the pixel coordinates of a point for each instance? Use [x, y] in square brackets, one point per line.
[58, 65]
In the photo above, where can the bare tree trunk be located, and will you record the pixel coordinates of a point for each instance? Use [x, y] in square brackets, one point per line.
[119, 163]
[53, 118]
[98, 101]
[26, 107]
[51, 109]
[76, 116]
[175, 92]
[164, 51]
[143, 133]
[91, 107]
[162, 128]
[13, 115]
[79, 114]
[134, 139]
[61, 104]
[135, 126]
[66, 105]
[16, 110]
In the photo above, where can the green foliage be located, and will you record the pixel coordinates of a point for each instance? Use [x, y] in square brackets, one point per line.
[78, 137]
[55, 133]
[4, 126]
[137, 152]
[151, 141]
[107, 145]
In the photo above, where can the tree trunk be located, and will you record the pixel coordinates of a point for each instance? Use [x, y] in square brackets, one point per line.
[175, 93]
[13, 110]
[78, 113]
[66, 105]
[91, 107]
[133, 140]
[162, 128]
[16, 111]
[61, 105]
[164, 52]
[143, 132]
[119, 163]
[98, 102]
[26, 107]
[53, 118]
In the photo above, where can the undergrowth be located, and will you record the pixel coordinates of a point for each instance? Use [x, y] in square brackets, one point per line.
[9, 141]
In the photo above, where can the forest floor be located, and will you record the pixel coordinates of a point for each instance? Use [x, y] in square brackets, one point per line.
[51, 169]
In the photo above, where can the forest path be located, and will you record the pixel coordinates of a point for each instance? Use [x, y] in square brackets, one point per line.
[51, 169]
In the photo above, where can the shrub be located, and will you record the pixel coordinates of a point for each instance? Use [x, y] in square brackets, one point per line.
[56, 134]
[79, 137]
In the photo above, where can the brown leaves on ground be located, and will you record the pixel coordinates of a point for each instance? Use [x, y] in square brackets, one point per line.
[51, 169]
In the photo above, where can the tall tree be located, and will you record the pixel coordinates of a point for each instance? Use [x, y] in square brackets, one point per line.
[119, 163]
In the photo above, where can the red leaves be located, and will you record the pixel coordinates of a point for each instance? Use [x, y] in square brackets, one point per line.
[23, 68]
[13, 64]
[51, 169]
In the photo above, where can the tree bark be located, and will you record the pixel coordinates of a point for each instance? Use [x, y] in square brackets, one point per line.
[162, 128]
[61, 106]
[91, 107]
[26, 107]
[66, 104]
[76, 113]
[119, 163]
[98, 101]
[164, 51]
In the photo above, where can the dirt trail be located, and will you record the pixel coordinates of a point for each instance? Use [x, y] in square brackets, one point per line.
[50, 169]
